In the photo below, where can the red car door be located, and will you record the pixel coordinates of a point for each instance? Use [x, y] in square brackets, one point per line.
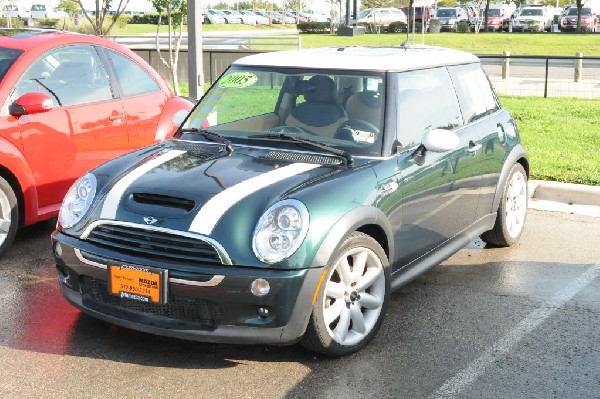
[86, 127]
[142, 97]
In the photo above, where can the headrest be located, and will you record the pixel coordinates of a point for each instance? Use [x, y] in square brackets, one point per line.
[319, 88]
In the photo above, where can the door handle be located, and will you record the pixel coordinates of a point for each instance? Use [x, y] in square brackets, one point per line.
[474, 147]
[113, 118]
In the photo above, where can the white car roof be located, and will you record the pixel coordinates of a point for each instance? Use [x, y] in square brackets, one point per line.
[361, 58]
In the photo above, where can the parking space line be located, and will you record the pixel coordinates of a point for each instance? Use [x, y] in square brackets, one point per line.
[473, 371]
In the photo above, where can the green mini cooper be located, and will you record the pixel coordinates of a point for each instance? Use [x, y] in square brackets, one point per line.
[303, 188]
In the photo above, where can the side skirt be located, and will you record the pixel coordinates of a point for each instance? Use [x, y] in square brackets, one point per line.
[437, 255]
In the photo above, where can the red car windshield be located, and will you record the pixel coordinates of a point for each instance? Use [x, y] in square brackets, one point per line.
[7, 57]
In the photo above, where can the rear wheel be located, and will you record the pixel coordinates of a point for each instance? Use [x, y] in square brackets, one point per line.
[512, 210]
[352, 298]
[9, 215]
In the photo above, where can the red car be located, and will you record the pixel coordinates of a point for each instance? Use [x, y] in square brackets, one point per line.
[69, 103]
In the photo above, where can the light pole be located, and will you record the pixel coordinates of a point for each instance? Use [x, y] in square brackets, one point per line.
[195, 63]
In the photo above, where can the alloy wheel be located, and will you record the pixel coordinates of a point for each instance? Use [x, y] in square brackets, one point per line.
[354, 296]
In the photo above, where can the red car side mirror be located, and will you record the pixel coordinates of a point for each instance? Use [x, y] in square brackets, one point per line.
[31, 103]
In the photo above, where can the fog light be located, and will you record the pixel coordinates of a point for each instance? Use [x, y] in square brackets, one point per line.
[260, 287]
[263, 312]
[58, 249]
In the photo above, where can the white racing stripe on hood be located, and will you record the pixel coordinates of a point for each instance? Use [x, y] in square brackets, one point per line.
[208, 216]
[111, 203]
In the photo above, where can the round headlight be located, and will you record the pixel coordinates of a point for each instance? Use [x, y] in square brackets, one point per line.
[280, 231]
[77, 201]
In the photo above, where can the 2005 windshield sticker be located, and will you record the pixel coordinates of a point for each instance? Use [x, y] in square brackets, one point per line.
[238, 79]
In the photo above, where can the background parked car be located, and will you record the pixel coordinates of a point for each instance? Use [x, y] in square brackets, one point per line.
[381, 17]
[213, 17]
[232, 17]
[450, 17]
[534, 19]
[589, 20]
[418, 17]
[16, 11]
[71, 102]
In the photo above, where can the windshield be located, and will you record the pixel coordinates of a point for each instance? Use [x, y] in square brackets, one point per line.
[494, 12]
[341, 110]
[532, 12]
[446, 13]
[363, 13]
[7, 57]
[584, 11]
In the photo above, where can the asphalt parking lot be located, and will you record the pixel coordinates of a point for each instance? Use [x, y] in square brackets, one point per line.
[487, 323]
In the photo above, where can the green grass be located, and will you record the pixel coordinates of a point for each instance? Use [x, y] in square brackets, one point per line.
[481, 43]
[561, 136]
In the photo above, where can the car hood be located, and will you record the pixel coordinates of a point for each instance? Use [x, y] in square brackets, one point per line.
[200, 189]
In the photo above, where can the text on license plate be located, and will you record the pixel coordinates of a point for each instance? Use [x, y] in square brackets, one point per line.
[140, 283]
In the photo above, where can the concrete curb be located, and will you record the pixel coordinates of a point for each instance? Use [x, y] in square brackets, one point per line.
[565, 197]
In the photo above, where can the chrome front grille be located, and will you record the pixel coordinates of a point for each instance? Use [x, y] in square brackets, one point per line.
[155, 243]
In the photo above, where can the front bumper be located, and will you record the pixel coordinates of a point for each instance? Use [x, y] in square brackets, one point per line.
[209, 304]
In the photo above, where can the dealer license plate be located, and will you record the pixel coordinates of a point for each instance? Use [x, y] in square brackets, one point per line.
[145, 284]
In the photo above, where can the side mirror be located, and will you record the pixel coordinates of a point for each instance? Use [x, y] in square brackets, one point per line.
[440, 140]
[31, 103]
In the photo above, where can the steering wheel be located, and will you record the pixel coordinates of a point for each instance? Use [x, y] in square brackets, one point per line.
[358, 131]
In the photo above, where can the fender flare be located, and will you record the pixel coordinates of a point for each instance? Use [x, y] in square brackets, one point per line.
[166, 128]
[346, 225]
[14, 164]
[516, 155]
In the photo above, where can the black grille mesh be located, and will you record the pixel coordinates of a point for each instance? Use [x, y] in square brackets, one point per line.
[203, 314]
[298, 157]
[155, 245]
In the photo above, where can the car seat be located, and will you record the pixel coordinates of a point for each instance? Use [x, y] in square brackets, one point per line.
[319, 113]
[365, 105]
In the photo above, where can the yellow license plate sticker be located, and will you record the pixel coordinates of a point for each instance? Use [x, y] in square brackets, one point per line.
[140, 283]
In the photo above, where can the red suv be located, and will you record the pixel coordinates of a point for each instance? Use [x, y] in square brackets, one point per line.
[69, 103]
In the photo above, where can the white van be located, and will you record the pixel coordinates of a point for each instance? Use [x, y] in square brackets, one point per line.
[39, 11]
[15, 11]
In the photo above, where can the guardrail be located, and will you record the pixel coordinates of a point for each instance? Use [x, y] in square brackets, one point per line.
[230, 41]
[541, 75]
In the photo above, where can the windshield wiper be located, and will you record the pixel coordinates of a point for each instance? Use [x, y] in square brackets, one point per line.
[282, 136]
[214, 137]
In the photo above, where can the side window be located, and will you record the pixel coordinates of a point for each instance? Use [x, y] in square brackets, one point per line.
[70, 75]
[477, 98]
[426, 100]
[133, 78]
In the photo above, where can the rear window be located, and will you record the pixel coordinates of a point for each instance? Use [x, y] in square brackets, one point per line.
[7, 57]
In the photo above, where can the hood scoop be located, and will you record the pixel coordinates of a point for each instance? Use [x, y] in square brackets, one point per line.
[158, 205]
[200, 149]
[301, 157]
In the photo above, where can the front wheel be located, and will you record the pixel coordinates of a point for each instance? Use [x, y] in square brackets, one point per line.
[512, 211]
[352, 298]
[9, 216]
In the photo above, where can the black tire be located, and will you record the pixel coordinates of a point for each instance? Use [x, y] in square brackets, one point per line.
[9, 216]
[512, 211]
[362, 316]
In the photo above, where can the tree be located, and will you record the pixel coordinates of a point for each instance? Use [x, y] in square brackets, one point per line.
[579, 6]
[175, 11]
[102, 11]
[69, 6]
